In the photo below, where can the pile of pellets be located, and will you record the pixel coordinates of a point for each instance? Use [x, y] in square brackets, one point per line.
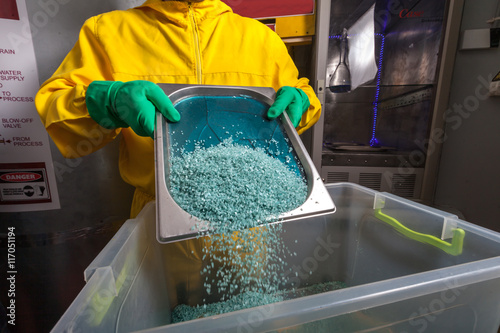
[240, 190]
[234, 187]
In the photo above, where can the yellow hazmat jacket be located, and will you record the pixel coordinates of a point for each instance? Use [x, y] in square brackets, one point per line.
[162, 42]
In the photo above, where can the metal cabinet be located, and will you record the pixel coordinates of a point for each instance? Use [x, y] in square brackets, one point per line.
[387, 132]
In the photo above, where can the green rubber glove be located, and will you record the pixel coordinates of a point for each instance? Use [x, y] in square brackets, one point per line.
[114, 104]
[293, 100]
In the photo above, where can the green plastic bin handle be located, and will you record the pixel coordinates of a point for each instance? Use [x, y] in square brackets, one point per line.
[457, 242]
[101, 304]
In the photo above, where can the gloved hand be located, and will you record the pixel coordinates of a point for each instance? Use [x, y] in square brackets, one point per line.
[114, 104]
[293, 100]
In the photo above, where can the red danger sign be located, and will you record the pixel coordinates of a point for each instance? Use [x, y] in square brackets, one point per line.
[20, 177]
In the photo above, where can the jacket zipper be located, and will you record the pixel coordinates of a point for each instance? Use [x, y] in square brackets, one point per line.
[196, 40]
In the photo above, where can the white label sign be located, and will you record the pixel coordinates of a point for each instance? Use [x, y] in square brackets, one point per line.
[27, 180]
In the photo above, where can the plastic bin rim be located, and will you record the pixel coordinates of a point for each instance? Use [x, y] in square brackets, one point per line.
[468, 226]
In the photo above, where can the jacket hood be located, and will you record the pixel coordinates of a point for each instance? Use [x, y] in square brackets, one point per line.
[177, 11]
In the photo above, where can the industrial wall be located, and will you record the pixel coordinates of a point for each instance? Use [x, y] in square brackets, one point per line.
[468, 178]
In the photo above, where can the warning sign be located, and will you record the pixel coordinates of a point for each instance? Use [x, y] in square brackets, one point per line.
[22, 183]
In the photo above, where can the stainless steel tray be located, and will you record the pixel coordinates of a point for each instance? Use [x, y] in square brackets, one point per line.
[173, 223]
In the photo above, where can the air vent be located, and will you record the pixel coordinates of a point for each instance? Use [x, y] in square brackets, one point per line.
[337, 177]
[371, 180]
[403, 185]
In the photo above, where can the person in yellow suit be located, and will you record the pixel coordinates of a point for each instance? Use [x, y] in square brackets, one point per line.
[104, 86]
[107, 85]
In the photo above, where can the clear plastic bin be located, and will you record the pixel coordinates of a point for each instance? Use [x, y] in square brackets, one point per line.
[395, 283]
